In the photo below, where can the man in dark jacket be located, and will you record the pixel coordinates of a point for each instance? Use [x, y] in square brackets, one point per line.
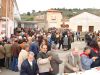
[34, 47]
[15, 49]
[29, 66]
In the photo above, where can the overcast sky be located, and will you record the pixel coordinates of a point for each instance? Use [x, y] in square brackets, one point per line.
[29, 5]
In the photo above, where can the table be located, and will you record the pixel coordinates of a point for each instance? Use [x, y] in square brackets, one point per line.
[93, 71]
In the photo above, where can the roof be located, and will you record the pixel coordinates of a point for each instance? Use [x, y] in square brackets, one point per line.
[27, 22]
[85, 15]
[52, 10]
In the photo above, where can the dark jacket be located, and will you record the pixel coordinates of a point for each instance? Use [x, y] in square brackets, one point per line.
[34, 48]
[26, 69]
[97, 61]
[15, 48]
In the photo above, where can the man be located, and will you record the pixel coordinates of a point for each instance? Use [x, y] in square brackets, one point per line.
[34, 47]
[15, 52]
[43, 61]
[8, 54]
[54, 62]
[73, 63]
[85, 60]
[29, 66]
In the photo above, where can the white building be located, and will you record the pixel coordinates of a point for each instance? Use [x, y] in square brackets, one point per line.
[85, 22]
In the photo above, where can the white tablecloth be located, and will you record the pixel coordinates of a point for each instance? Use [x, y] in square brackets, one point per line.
[88, 72]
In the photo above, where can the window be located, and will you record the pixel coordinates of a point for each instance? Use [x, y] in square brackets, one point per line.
[3, 25]
[53, 17]
[91, 28]
[79, 28]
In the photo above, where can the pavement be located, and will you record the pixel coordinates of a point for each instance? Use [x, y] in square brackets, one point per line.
[62, 55]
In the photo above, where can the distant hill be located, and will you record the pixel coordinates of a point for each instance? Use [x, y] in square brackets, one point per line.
[68, 13]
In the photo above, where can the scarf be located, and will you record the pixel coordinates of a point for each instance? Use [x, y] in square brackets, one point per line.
[84, 54]
[95, 50]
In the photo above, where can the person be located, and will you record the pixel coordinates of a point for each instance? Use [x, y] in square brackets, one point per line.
[55, 61]
[65, 42]
[88, 39]
[73, 63]
[95, 52]
[22, 43]
[2, 56]
[15, 52]
[8, 54]
[23, 55]
[78, 35]
[30, 40]
[34, 47]
[53, 37]
[85, 60]
[69, 42]
[29, 66]
[44, 42]
[61, 41]
[53, 47]
[57, 37]
[43, 61]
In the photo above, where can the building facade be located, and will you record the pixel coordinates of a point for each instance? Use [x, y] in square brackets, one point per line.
[52, 18]
[7, 18]
[85, 22]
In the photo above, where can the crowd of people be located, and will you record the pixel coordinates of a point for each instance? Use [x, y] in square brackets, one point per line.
[33, 52]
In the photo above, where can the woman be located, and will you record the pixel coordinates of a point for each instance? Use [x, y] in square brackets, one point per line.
[95, 52]
[45, 42]
[85, 60]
